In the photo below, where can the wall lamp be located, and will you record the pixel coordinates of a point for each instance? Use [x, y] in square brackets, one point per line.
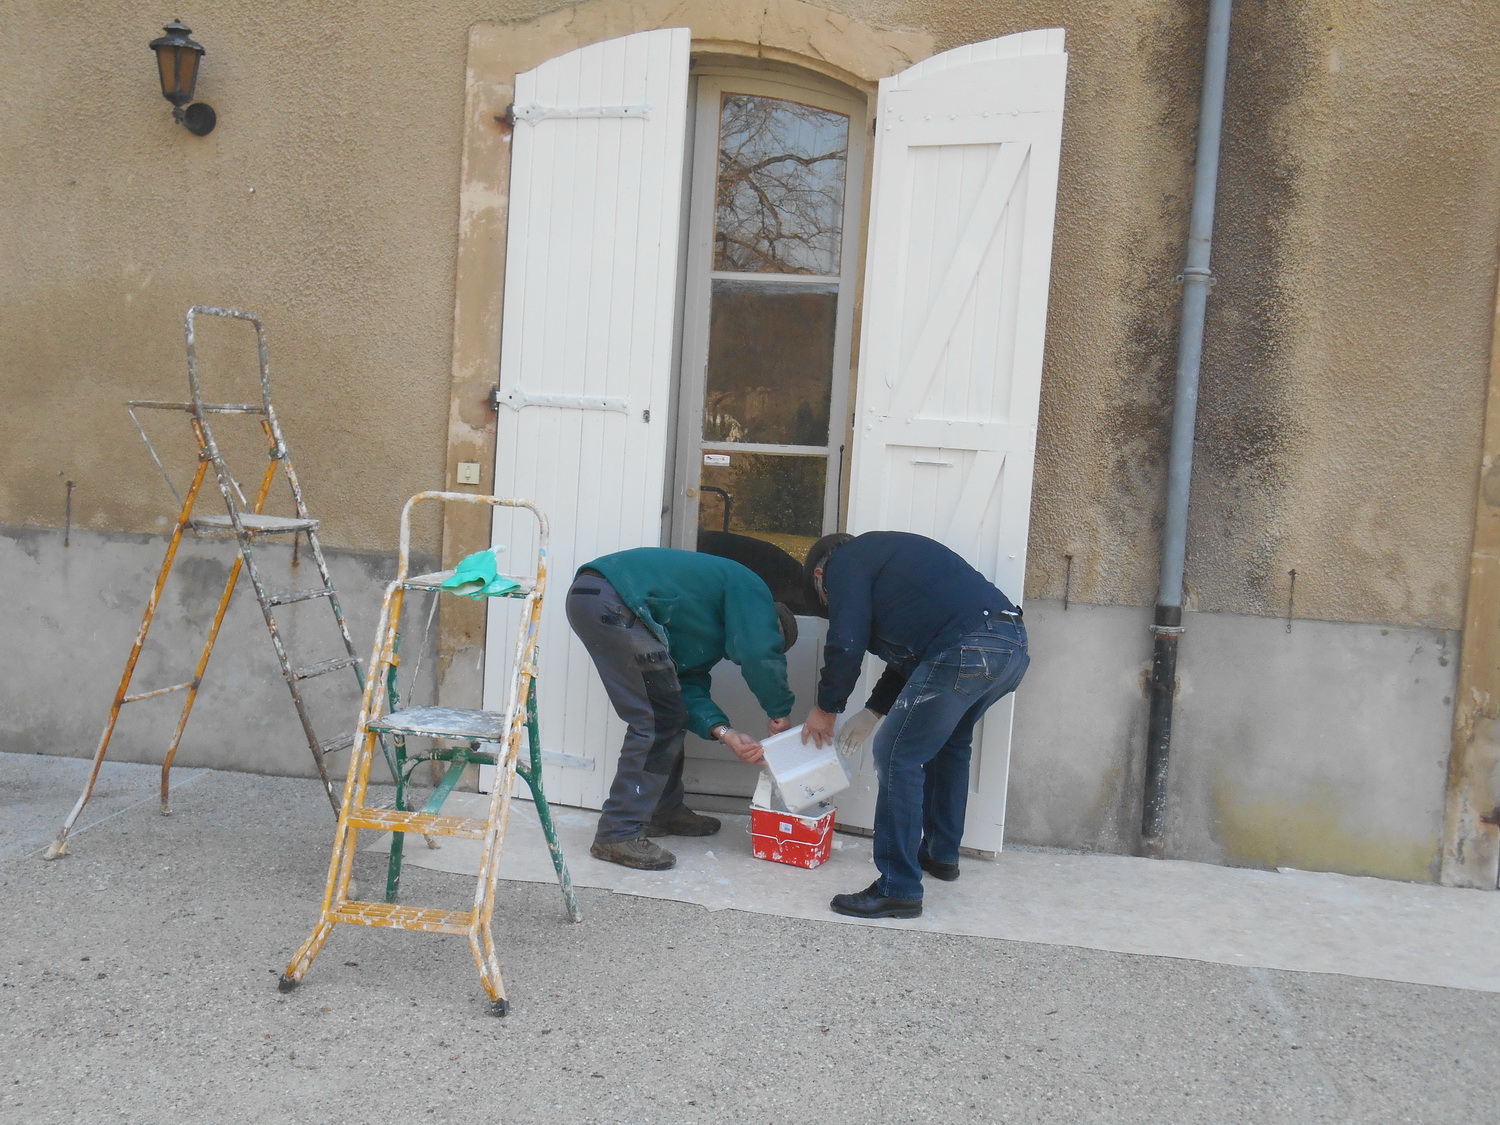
[177, 59]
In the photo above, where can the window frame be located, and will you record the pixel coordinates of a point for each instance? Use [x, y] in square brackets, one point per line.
[709, 83]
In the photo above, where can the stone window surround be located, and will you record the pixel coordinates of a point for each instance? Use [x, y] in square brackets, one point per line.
[783, 33]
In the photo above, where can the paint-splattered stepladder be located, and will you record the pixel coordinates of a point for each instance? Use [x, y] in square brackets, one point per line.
[381, 717]
[247, 521]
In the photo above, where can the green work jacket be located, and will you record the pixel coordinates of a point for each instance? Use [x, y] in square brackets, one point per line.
[704, 609]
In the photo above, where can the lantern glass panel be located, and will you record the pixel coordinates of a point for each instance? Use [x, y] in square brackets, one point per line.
[179, 73]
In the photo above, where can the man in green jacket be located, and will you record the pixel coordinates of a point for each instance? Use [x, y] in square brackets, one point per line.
[656, 621]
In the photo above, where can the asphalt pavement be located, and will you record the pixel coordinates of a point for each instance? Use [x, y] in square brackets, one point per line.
[139, 985]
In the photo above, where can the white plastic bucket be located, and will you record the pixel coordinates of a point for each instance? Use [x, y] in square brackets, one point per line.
[805, 774]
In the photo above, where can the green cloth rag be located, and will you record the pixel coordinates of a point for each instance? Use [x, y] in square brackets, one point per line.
[478, 576]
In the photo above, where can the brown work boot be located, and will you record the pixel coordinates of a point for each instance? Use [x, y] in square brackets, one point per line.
[639, 853]
[682, 821]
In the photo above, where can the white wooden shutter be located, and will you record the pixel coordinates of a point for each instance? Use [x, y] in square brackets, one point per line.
[965, 185]
[586, 354]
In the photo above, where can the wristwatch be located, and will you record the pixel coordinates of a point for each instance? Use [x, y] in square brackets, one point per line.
[716, 732]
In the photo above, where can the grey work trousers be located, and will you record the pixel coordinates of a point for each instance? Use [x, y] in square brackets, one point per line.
[641, 682]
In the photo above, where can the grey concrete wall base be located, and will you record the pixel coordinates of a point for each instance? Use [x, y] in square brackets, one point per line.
[1324, 747]
[72, 615]
[1080, 724]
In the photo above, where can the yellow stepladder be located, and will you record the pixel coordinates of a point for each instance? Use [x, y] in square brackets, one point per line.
[382, 717]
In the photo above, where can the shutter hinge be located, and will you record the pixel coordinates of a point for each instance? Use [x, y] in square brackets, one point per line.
[518, 399]
[532, 112]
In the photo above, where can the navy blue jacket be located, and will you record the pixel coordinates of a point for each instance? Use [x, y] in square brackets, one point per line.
[902, 597]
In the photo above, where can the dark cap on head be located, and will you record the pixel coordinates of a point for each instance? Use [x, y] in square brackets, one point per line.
[788, 622]
[817, 555]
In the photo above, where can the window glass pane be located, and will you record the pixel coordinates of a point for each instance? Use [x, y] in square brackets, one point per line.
[775, 498]
[770, 363]
[779, 204]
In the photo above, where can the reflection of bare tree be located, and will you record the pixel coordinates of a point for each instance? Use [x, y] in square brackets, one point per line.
[780, 201]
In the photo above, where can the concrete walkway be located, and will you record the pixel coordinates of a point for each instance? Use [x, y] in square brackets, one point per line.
[1305, 920]
[139, 985]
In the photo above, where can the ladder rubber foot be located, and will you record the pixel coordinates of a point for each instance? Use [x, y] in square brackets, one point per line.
[500, 1007]
[286, 984]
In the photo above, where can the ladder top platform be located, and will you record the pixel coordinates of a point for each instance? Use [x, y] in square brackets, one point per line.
[435, 580]
[443, 722]
[256, 523]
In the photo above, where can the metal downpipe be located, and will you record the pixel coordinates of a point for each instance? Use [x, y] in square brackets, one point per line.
[1196, 280]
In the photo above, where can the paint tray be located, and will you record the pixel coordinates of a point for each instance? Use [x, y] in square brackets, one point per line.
[805, 775]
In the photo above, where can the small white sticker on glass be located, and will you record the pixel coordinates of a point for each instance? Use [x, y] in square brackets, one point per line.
[716, 458]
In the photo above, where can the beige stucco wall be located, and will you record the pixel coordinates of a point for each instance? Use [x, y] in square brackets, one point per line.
[1346, 358]
[1347, 341]
[324, 202]
[1397, 164]
[1353, 332]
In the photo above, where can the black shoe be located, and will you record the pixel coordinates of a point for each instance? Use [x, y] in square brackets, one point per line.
[870, 903]
[947, 872]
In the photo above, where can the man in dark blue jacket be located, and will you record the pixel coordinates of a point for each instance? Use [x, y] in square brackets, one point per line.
[952, 644]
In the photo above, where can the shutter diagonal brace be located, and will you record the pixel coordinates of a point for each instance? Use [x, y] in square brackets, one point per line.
[962, 272]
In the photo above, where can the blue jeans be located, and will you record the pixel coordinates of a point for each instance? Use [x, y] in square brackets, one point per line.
[922, 751]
